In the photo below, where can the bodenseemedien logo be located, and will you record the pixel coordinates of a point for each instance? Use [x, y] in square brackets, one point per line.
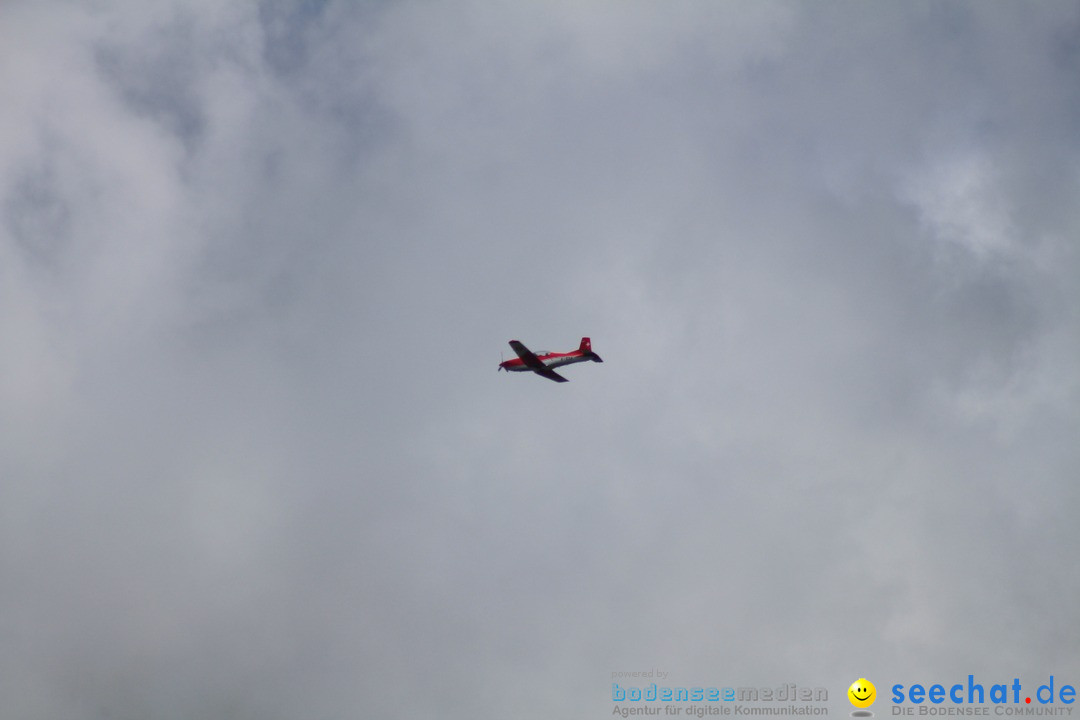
[719, 699]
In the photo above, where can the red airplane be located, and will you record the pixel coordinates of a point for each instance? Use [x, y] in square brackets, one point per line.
[541, 363]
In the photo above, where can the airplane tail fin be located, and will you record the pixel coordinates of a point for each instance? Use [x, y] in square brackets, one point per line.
[586, 349]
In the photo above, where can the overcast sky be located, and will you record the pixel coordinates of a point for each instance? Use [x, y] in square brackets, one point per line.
[259, 262]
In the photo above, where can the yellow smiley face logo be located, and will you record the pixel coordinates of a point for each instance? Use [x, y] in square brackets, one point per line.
[862, 693]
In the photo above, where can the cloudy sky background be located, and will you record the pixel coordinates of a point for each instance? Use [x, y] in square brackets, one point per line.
[258, 262]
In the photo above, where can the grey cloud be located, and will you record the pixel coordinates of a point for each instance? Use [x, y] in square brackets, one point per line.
[258, 263]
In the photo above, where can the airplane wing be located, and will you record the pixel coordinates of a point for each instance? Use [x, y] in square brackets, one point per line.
[551, 375]
[534, 363]
[527, 356]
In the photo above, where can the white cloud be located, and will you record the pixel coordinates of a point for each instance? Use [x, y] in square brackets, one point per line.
[960, 201]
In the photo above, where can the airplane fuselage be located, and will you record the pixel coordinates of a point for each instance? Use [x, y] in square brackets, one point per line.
[551, 360]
